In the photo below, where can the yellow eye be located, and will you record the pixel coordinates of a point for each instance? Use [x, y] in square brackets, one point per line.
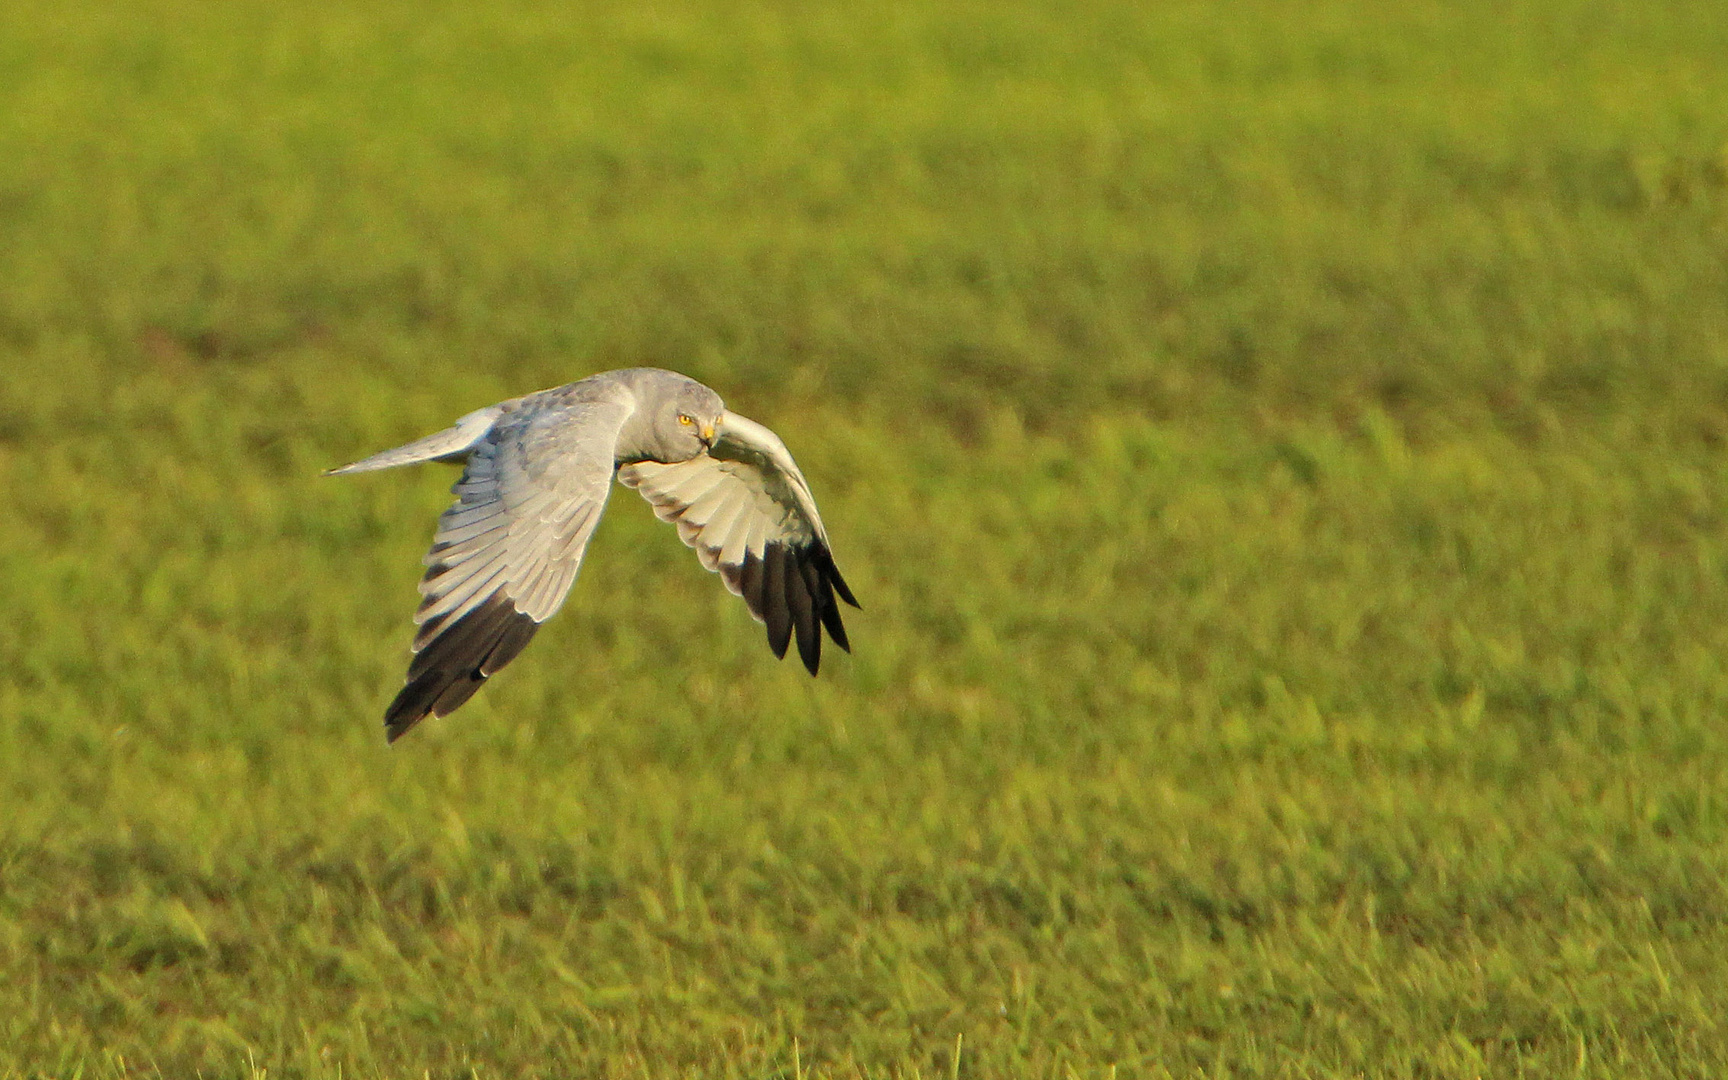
[684, 418]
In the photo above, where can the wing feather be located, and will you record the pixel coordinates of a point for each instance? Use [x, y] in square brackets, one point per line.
[779, 613]
[733, 537]
[691, 484]
[750, 585]
[800, 599]
[509, 548]
[703, 510]
[467, 531]
[724, 525]
[747, 511]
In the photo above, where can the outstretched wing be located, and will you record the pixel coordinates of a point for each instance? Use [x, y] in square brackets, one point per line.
[748, 512]
[507, 551]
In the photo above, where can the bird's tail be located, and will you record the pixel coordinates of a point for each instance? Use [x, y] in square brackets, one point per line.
[453, 443]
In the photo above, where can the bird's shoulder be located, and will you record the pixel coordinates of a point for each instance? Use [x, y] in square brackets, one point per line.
[565, 428]
[576, 398]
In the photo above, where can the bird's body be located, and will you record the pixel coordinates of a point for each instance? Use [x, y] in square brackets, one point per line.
[537, 473]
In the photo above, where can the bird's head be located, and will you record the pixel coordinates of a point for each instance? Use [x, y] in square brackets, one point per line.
[687, 423]
[673, 417]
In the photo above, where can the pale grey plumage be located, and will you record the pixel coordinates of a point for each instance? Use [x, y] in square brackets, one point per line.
[748, 512]
[536, 480]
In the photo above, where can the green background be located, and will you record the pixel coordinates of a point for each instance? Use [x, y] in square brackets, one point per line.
[1278, 447]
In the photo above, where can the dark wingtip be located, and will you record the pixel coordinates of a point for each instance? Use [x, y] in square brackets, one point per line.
[448, 669]
[803, 592]
[413, 704]
[777, 614]
[824, 581]
[792, 589]
[838, 581]
[831, 619]
[404, 712]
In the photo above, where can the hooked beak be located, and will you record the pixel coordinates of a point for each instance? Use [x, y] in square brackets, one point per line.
[708, 434]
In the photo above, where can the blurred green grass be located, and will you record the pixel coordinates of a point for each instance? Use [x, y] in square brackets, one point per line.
[1278, 447]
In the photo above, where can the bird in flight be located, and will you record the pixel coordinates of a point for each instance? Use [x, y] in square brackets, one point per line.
[537, 470]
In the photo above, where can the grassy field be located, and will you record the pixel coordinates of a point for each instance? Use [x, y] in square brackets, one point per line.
[1279, 449]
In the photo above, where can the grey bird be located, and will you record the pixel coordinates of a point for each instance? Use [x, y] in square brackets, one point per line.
[537, 470]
